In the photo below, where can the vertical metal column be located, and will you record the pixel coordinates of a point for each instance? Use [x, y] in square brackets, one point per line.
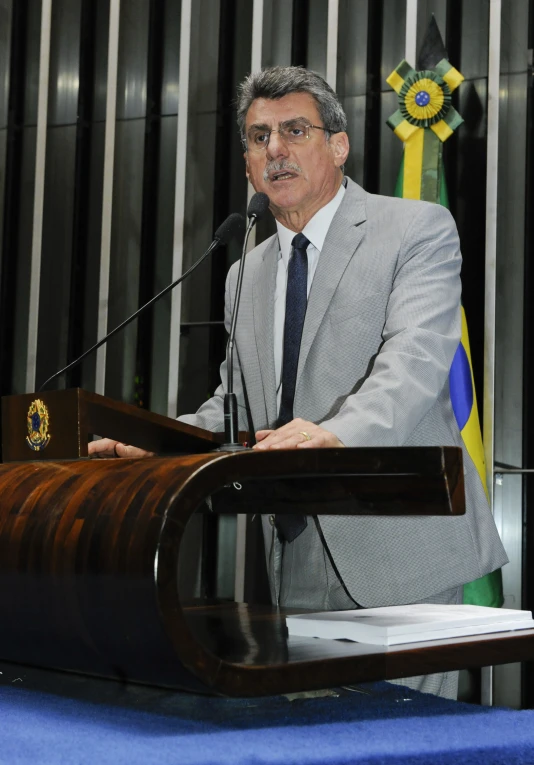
[107, 192]
[179, 205]
[491, 238]
[410, 47]
[257, 36]
[494, 61]
[241, 521]
[331, 43]
[38, 199]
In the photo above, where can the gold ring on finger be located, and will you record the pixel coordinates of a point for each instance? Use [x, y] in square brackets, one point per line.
[306, 435]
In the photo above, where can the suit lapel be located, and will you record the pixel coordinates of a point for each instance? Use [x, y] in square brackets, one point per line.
[263, 308]
[343, 238]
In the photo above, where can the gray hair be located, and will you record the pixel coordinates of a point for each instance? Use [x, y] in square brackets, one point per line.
[278, 81]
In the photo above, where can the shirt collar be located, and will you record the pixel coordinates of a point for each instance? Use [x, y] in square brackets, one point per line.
[315, 230]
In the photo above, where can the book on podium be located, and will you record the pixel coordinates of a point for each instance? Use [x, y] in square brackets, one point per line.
[395, 625]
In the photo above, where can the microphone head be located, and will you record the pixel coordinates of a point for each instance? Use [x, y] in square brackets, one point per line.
[259, 204]
[234, 225]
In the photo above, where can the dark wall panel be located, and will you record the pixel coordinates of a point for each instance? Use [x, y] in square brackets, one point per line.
[352, 48]
[33, 40]
[23, 255]
[5, 55]
[93, 243]
[472, 20]
[317, 33]
[528, 353]
[56, 256]
[133, 52]
[355, 109]
[131, 131]
[125, 260]
[163, 266]
[392, 53]
[393, 37]
[465, 164]
[3, 150]
[100, 60]
[277, 32]
[199, 221]
[90, 175]
[425, 10]
[352, 78]
[171, 57]
[230, 160]
[64, 62]
[6, 14]
[18, 195]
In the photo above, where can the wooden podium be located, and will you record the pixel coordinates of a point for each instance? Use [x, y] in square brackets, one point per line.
[89, 552]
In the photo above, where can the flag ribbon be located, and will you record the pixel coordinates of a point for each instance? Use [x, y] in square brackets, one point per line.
[424, 120]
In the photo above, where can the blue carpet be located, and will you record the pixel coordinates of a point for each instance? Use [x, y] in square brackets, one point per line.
[133, 725]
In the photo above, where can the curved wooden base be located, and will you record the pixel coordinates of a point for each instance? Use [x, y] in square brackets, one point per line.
[89, 558]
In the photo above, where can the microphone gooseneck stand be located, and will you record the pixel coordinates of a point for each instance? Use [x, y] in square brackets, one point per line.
[259, 204]
[233, 225]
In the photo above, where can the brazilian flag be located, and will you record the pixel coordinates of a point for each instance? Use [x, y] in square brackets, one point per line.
[424, 120]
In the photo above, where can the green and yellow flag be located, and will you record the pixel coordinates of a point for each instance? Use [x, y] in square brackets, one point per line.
[424, 120]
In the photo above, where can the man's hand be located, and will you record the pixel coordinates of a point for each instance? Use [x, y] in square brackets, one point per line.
[106, 447]
[297, 434]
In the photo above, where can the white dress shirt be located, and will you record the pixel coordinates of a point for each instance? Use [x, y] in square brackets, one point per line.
[315, 230]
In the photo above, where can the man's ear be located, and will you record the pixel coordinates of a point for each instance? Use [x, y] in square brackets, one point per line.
[340, 148]
[247, 170]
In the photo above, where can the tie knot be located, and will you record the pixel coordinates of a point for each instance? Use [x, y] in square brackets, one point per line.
[300, 242]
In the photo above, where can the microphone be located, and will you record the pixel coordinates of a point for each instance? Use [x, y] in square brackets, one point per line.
[258, 206]
[232, 226]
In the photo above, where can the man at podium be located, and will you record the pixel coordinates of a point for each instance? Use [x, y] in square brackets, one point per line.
[348, 325]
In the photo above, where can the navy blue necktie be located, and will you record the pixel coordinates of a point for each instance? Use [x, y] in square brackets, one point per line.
[290, 526]
[296, 302]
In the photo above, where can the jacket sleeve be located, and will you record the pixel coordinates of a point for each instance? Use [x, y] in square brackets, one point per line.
[420, 337]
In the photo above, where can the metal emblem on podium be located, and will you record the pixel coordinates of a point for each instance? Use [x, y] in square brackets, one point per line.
[38, 421]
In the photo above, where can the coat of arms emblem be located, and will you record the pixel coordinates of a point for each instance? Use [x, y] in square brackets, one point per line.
[38, 420]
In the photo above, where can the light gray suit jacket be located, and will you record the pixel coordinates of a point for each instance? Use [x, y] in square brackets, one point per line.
[381, 330]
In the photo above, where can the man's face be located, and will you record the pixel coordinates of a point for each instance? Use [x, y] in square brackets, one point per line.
[297, 177]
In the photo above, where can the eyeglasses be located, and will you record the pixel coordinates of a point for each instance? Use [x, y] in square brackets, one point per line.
[292, 131]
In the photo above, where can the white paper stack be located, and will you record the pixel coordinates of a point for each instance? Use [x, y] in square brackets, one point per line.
[393, 625]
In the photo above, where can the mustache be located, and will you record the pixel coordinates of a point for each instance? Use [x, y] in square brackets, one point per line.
[276, 167]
